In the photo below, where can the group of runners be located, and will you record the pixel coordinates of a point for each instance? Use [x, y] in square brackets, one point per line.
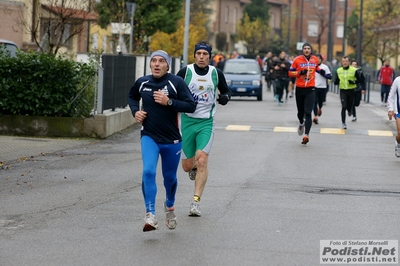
[177, 115]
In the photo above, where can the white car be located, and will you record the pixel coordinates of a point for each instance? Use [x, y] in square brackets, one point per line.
[9, 46]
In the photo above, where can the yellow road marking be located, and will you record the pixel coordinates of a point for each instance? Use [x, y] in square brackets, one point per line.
[339, 131]
[238, 127]
[285, 129]
[380, 133]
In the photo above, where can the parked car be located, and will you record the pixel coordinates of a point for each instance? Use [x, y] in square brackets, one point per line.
[9, 46]
[244, 77]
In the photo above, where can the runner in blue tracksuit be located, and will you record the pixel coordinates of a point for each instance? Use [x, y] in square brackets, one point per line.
[163, 96]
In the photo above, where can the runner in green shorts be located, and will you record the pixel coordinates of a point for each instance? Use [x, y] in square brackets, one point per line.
[197, 128]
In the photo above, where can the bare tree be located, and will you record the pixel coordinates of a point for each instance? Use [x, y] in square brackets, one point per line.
[53, 24]
[386, 44]
[322, 17]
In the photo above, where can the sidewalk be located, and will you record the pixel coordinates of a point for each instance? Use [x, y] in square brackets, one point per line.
[14, 147]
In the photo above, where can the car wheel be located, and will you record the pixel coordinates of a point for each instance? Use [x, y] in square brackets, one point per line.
[259, 95]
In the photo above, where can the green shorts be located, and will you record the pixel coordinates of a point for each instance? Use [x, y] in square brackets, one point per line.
[197, 134]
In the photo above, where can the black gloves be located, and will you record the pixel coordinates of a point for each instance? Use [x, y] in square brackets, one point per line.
[322, 72]
[303, 72]
[352, 82]
[223, 99]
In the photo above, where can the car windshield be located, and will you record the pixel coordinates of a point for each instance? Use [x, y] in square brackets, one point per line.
[241, 67]
[8, 48]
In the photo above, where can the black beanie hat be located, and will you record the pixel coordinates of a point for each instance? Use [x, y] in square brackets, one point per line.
[306, 44]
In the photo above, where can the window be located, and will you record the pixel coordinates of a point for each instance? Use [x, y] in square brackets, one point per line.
[312, 29]
[272, 20]
[339, 30]
[104, 43]
[54, 28]
[227, 14]
[95, 41]
[235, 12]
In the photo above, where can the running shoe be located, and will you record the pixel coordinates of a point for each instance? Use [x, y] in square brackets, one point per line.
[397, 149]
[151, 222]
[276, 98]
[305, 140]
[354, 119]
[195, 209]
[344, 126]
[315, 120]
[280, 103]
[193, 173]
[300, 130]
[319, 112]
[170, 217]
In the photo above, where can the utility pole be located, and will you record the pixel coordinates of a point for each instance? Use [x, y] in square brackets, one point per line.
[131, 12]
[330, 25]
[186, 33]
[359, 39]
[301, 21]
[344, 49]
[288, 34]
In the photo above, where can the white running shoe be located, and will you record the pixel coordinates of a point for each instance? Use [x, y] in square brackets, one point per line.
[354, 119]
[151, 222]
[397, 149]
[195, 209]
[344, 126]
[170, 217]
[300, 130]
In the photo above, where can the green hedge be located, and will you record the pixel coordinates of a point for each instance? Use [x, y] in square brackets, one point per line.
[45, 85]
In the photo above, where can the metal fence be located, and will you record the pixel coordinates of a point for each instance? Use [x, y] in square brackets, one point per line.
[117, 74]
[370, 85]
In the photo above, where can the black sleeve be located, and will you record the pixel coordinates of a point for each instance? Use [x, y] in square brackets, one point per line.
[134, 98]
[336, 80]
[184, 102]
[222, 85]
[359, 76]
[182, 72]
[361, 79]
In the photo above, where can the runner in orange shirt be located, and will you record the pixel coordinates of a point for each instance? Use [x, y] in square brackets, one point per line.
[303, 68]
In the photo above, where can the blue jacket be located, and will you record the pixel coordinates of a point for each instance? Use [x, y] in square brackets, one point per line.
[161, 123]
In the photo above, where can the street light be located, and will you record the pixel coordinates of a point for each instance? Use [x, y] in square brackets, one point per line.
[330, 25]
[359, 39]
[131, 12]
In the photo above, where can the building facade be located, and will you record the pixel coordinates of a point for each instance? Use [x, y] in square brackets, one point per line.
[309, 20]
[24, 19]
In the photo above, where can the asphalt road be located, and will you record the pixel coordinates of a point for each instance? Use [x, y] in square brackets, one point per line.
[269, 200]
